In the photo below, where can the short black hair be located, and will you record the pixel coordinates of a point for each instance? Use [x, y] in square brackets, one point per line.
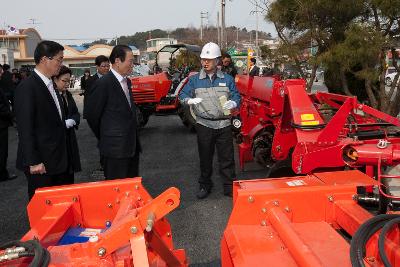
[87, 71]
[226, 55]
[6, 67]
[253, 59]
[100, 59]
[119, 51]
[64, 70]
[47, 49]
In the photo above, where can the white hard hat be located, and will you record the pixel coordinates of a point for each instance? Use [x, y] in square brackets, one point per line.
[210, 51]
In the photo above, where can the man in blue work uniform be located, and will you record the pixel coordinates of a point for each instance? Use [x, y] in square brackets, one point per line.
[211, 95]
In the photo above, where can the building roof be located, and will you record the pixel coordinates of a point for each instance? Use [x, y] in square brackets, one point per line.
[21, 33]
[79, 48]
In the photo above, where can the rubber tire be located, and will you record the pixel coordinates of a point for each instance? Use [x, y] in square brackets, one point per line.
[142, 118]
[187, 117]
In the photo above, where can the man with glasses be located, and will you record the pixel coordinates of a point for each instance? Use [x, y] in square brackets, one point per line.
[111, 114]
[103, 67]
[42, 147]
[212, 95]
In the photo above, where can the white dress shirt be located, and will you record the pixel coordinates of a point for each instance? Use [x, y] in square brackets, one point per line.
[49, 84]
[123, 82]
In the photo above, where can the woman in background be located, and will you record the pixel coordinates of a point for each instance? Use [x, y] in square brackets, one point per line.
[72, 120]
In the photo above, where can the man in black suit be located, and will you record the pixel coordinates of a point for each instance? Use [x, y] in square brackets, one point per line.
[103, 67]
[111, 114]
[254, 70]
[42, 147]
[5, 122]
[7, 84]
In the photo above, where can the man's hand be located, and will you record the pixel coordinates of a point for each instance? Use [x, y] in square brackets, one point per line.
[230, 104]
[70, 123]
[194, 101]
[37, 169]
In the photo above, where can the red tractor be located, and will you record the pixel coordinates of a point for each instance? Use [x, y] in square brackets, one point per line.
[346, 156]
[158, 93]
[282, 127]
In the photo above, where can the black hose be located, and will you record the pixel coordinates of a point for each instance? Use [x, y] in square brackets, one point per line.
[363, 234]
[381, 241]
[41, 257]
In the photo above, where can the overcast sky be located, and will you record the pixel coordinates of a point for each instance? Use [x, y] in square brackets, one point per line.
[93, 19]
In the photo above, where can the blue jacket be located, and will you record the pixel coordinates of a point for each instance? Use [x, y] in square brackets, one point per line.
[209, 112]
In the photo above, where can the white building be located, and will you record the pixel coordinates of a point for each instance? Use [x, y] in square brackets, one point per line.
[153, 45]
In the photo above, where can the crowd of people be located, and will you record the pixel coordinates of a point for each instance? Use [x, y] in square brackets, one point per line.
[47, 117]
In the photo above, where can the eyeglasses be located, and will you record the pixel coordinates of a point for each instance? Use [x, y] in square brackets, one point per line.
[65, 81]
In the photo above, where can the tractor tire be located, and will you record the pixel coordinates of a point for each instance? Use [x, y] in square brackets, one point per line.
[142, 117]
[187, 117]
[281, 168]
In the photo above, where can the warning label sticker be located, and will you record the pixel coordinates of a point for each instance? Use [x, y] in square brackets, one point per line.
[296, 183]
[88, 232]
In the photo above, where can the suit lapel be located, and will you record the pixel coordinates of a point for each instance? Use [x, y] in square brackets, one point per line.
[46, 91]
[118, 88]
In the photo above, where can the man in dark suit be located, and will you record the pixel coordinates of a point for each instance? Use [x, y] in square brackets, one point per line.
[5, 122]
[103, 67]
[7, 84]
[42, 147]
[111, 114]
[254, 70]
[84, 78]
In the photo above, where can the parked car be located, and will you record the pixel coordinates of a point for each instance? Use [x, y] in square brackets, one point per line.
[390, 75]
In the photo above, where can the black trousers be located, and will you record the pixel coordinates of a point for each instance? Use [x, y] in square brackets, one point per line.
[3, 153]
[207, 140]
[36, 181]
[117, 168]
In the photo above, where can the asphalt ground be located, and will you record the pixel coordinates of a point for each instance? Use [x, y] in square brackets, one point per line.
[169, 159]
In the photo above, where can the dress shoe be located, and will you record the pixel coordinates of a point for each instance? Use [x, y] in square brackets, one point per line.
[203, 193]
[9, 178]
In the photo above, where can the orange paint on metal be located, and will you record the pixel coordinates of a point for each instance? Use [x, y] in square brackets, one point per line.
[137, 233]
[295, 221]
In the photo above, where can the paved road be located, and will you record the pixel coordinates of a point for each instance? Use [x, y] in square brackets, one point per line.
[169, 159]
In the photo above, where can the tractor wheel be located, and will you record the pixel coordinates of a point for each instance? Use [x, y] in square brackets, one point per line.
[142, 117]
[187, 117]
[261, 149]
[281, 168]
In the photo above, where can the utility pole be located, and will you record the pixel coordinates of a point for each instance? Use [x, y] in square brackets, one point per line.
[256, 29]
[218, 30]
[223, 30]
[203, 15]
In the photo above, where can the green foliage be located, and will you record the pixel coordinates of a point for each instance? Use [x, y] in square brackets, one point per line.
[139, 38]
[352, 37]
[187, 59]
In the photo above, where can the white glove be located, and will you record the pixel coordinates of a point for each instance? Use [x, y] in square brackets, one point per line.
[70, 123]
[194, 101]
[230, 104]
